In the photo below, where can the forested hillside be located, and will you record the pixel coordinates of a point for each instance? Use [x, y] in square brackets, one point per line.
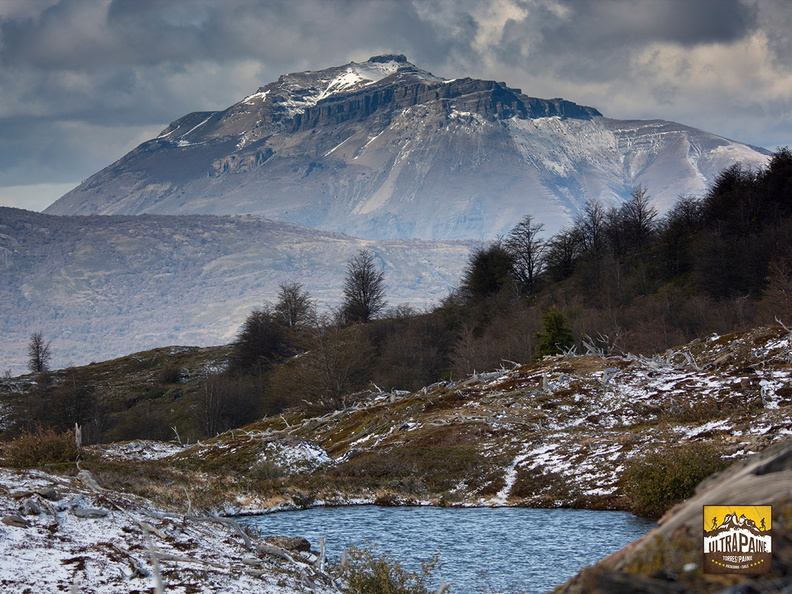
[617, 281]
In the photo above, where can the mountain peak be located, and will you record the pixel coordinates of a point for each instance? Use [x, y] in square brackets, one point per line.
[383, 149]
[401, 58]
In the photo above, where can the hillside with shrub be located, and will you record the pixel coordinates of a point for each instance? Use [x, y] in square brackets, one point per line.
[618, 281]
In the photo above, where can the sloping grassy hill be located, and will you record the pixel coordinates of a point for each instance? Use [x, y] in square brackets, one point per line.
[145, 394]
[566, 431]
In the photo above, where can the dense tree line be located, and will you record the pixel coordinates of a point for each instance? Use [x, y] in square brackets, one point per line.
[616, 279]
[641, 282]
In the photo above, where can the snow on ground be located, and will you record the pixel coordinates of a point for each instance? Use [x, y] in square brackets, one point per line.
[141, 449]
[298, 455]
[61, 534]
[509, 479]
[583, 418]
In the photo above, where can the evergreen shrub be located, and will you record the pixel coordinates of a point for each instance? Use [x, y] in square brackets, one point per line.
[660, 480]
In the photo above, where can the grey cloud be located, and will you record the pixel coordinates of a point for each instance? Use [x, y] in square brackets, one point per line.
[639, 21]
[127, 54]
[38, 150]
[596, 40]
[775, 20]
[84, 36]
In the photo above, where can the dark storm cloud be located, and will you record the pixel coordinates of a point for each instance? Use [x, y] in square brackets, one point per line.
[639, 21]
[91, 36]
[85, 56]
[595, 40]
[775, 19]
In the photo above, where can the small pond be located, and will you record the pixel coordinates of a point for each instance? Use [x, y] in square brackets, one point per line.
[506, 550]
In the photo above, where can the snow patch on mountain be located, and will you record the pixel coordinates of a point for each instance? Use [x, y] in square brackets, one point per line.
[259, 96]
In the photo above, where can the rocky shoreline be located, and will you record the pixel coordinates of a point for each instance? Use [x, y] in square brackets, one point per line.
[563, 432]
[669, 557]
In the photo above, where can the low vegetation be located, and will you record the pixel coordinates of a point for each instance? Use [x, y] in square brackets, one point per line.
[385, 392]
[658, 481]
[368, 572]
[40, 448]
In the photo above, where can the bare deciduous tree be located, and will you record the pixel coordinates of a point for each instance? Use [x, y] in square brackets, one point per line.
[336, 363]
[261, 340]
[527, 249]
[364, 289]
[639, 216]
[294, 308]
[591, 226]
[39, 354]
[562, 253]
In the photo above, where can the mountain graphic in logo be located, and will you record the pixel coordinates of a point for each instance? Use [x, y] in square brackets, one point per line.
[737, 539]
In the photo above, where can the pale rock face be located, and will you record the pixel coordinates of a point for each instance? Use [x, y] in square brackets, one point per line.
[384, 150]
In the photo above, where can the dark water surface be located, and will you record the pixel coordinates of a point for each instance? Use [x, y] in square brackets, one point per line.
[504, 550]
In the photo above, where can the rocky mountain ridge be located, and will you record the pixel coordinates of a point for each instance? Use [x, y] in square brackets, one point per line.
[383, 149]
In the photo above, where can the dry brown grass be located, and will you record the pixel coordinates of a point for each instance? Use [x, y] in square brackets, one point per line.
[41, 447]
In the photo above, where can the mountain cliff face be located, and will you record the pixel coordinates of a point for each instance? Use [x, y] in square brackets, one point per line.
[382, 149]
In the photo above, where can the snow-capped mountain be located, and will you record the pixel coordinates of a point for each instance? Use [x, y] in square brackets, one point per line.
[383, 149]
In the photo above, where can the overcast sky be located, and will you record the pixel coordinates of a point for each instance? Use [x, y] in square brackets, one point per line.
[84, 81]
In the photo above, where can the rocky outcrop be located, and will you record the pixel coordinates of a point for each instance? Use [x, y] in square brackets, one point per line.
[490, 99]
[669, 557]
[289, 543]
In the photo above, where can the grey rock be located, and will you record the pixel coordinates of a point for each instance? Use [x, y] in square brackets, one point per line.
[71, 503]
[31, 507]
[87, 479]
[16, 521]
[50, 494]
[90, 512]
[289, 543]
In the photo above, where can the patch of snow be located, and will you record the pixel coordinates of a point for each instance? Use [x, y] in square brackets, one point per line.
[255, 97]
[119, 546]
[139, 450]
[467, 116]
[510, 477]
[370, 140]
[302, 455]
[193, 129]
[335, 147]
[349, 79]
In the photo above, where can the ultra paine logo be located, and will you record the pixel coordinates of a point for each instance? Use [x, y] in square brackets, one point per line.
[737, 538]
